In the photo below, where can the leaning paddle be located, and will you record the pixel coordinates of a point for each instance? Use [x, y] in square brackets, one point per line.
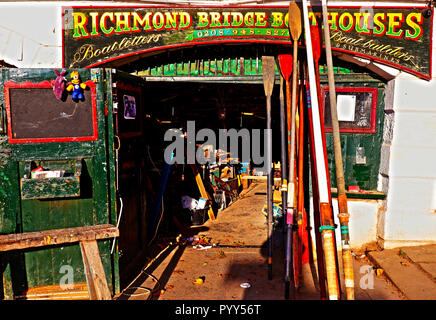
[268, 73]
[316, 44]
[295, 31]
[286, 69]
[322, 173]
[342, 198]
[285, 63]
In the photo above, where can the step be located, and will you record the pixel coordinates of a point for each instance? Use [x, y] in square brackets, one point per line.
[404, 274]
[424, 257]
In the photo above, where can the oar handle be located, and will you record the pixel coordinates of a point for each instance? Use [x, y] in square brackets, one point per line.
[333, 106]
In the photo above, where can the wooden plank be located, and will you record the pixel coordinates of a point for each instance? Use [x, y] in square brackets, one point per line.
[74, 291]
[95, 276]
[56, 236]
[202, 189]
[48, 188]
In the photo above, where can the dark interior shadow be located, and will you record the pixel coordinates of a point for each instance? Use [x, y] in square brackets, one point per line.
[148, 273]
[256, 273]
[163, 280]
[18, 277]
[194, 230]
[186, 230]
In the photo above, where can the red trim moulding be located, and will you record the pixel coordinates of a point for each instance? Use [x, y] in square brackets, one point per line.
[374, 91]
[47, 84]
[398, 67]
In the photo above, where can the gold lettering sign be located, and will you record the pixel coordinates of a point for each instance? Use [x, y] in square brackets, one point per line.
[399, 37]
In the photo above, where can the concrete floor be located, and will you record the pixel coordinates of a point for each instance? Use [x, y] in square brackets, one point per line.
[411, 269]
[239, 255]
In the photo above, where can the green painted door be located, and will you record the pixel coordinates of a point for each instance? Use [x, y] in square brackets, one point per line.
[362, 135]
[73, 139]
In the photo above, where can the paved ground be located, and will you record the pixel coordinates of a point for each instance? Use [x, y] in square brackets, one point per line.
[239, 256]
[411, 269]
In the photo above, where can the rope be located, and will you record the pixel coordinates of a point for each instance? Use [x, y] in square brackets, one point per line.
[147, 290]
[118, 223]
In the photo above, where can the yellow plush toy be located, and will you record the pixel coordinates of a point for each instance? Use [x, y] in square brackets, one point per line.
[76, 86]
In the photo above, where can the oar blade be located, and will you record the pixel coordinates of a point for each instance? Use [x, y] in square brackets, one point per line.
[316, 41]
[268, 74]
[285, 63]
[294, 20]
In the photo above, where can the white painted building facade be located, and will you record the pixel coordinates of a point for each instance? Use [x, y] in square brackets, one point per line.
[31, 37]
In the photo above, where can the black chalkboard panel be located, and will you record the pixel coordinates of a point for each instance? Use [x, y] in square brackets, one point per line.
[37, 115]
[365, 109]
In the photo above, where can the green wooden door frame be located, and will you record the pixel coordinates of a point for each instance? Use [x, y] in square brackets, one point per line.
[96, 204]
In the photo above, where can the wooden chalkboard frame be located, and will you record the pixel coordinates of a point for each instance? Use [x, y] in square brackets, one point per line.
[374, 91]
[46, 84]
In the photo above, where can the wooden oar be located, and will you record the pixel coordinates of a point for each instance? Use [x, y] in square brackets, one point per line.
[268, 73]
[323, 186]
[285, 64]
[297, 242]
[308, 255]
[316, 44]
[300, 201]
[347, 259]
[286, 60]
[295, 31]
[316, 208]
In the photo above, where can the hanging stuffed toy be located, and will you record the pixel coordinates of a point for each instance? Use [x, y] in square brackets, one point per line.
[59, 85]
[76, 86]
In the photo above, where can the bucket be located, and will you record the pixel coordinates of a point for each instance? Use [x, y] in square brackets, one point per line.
[198, 216]
[220, 199]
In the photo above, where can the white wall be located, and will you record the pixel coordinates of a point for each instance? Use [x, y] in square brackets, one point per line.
[31, 35]
[362, 225]
[31, 32]
[410, 216]
[408, 165]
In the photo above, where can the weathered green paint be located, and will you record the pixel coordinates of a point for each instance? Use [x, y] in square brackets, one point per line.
[217, 67]
[49, 188]
[110, 156]
[34, 268]
[363, 175]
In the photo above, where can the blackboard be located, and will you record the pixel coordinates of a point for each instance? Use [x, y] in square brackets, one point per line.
[36, 115]
[365, 109]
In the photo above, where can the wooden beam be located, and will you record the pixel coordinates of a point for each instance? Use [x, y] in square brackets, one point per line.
[95, 276]
[370, 65]
[202, 189]
[20, 241]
